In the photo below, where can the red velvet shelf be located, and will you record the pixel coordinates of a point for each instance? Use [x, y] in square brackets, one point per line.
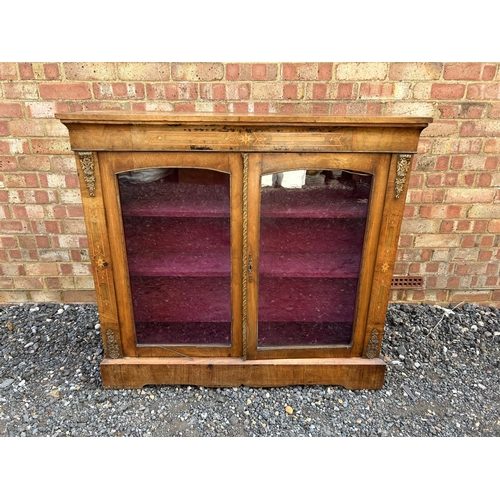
[312, 235]
[183, 333]
[173, 199]
[287, 334]
[176, 234]
[307, 299]
[182, 299]
[286, 265]
[313, 202]
[202, 264]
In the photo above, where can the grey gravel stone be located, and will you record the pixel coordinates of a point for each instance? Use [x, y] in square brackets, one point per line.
[446, 384]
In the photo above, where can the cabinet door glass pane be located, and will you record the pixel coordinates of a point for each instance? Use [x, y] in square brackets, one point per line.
[311, 238]
[178, 246]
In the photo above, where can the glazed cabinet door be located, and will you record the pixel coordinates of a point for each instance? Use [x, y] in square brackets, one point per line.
[177, 251]
[313, 226]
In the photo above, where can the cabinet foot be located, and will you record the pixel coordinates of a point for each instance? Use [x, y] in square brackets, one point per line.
[134, 373]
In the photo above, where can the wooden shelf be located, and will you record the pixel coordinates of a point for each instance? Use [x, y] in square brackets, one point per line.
[313, 202]
[172, 299]
[187, 332]
[173, 199]
[306, 299]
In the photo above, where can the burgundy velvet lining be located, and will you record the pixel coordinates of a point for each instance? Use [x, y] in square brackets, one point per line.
[178, 248]
[295, 333]
[183, 333]
[170, 199]
[306, 300]
[317, 202]
[173, 299]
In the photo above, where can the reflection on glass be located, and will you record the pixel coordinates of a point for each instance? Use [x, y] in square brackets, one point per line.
[311, 237]
[177, 238]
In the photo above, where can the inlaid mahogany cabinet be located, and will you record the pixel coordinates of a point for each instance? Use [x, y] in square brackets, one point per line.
[236, 250]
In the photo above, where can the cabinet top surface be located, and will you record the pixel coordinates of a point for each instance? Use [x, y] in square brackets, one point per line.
[158, 118]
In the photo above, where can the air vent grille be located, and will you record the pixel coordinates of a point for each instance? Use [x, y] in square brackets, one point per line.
[407, 282]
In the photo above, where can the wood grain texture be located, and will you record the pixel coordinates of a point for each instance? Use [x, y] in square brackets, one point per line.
[100, 255]
[133, 373]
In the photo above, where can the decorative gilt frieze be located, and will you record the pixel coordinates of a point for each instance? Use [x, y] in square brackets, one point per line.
[113, 349]
[404, 162]
[87, 163]
[245, 250]
[372, 347]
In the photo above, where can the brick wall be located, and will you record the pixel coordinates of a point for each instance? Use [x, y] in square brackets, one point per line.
[451, 229]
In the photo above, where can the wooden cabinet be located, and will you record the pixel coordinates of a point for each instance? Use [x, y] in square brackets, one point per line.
[242, 249]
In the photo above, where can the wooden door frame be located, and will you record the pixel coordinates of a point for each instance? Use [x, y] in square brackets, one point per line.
[113, 163]
[376, 164]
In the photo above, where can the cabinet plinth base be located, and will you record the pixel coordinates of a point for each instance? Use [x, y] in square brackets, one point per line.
[134, 373]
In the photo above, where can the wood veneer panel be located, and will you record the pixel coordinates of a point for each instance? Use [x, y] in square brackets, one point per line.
[134, 373]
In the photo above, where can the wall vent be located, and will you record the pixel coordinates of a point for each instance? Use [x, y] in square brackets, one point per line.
[407, 282]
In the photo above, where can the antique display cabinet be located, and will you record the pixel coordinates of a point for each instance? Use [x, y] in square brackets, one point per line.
[236, 250]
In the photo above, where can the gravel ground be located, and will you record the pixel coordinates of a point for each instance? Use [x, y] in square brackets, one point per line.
[442, 379]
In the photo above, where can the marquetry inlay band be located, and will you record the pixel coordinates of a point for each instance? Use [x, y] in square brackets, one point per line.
[372, 347]
[87, 163]
[404, 162]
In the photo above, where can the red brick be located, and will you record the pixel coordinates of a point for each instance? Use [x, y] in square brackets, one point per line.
[447, 91]
[185, 107]
[306, 71]
[65, 90]
[261, 107]
[4, 129]
[8, 71]
[28, 283]
[8, 242]
[238, 72]
[376, 90]
[463, 71]
[492, 146]
[290, 91]
[197, 71]
[482, 128]
[324, 71]
[264, 71]
[463, 225]
[14, 226]
[10, 110]
[172, 91]
[489, 72]
[21, 180]
[20, 90]
[319, 91]
[320, 108]
[483, 180]
[434, 180]
[46, 227]
[494, 111]
[346, 91]
[51, 71]
[27, 128]
[486, 91]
